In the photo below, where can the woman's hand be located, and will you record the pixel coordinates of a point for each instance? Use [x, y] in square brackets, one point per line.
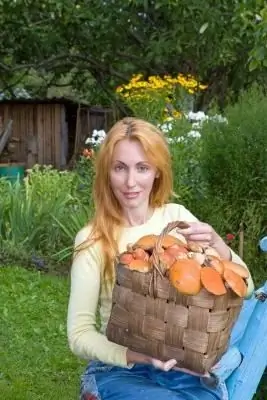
[206, 235]
[139, 358]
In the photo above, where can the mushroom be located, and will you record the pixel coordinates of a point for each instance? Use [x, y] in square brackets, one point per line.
[146, 242]
[195, 247]
[140, 266]
[210, 251]
[235, 282]
[140, 254]
[177, 251]
[199, 257]
[184, 275]
[237, 268]
[212, 281]
[126, 258]
[170, 240]
[214, 262]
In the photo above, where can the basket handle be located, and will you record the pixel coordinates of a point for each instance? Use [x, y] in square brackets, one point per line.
[167, 230]
[156, 250]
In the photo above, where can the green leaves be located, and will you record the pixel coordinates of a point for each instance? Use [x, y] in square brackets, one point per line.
[112, 40]
[43, 215]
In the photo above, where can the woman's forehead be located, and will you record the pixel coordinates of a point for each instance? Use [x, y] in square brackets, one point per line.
[129, 150]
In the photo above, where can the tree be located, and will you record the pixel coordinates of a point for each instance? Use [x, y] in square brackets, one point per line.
[66, 41]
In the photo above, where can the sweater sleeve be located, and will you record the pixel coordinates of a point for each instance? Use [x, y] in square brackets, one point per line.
[186, 215]
[84, 340]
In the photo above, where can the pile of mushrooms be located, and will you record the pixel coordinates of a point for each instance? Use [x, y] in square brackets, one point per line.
[188, 265]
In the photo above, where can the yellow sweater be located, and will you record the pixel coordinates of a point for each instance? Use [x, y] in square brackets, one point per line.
[87, 291]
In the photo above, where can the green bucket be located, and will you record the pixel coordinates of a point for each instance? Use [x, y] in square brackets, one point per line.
[12, 172]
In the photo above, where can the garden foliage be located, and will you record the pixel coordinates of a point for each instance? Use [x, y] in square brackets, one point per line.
[220, 174]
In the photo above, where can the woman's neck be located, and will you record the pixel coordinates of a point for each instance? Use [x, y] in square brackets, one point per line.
[137, 217]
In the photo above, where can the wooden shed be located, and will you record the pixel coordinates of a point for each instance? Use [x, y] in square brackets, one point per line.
[50, 131]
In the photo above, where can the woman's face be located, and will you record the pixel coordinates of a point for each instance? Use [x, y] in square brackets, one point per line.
[131, 175]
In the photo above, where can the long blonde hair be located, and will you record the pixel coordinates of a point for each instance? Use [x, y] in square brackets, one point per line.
[107, 220]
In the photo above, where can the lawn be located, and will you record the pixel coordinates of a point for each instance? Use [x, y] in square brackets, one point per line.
[35, 361]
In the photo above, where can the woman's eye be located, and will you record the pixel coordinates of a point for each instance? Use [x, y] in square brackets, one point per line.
[143, 168]
[119, 168]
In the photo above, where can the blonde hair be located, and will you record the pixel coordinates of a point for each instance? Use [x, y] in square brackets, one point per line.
[107, 219]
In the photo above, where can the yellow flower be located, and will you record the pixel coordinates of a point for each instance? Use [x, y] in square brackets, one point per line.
[155, 87]
[177, 114]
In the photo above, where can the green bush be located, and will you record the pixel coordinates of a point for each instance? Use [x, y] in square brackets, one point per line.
[41, 216]
[234, 155]
[185, 162]
[233, 160]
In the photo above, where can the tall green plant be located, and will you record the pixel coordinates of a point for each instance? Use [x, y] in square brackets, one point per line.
[234, 155]
[32, 213]
[233, 160]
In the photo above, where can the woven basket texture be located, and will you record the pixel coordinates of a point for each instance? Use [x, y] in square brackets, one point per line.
[166, 324]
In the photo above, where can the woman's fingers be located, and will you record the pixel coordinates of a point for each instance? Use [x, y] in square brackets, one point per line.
[200, 237]
[168, 365]
[164, 366]
[188, 371]
[198, 231]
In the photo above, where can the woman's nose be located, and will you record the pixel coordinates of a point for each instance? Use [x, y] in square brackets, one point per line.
[130, 179]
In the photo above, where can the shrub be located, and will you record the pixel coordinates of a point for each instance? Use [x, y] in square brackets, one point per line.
[41, 216]
[233, 160]
[234, 155]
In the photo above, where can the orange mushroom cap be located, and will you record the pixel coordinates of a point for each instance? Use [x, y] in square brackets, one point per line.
[184, 275]
[140, 254]
[146, 242]
[125, 258]
[170, 240]
[212, 281]
[235, 282]
[140, 265]
[237, 268]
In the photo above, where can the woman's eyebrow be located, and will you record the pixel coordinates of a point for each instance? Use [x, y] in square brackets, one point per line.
[119, 161]
[138, 163]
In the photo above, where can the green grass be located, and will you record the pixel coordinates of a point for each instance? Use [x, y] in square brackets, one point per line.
[35, 361]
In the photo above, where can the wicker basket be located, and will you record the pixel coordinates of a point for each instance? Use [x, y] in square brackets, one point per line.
[150, 316]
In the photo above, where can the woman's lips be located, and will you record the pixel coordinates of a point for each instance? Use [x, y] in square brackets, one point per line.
[131, 195]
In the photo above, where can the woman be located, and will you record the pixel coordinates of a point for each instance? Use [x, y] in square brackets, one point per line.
[133, 185]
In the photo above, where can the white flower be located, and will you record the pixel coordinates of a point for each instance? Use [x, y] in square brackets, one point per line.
[219, 118]
[166, 127]
[96, 138]
[194, 134]
[102, 134]
[198, 116]
[178, 139]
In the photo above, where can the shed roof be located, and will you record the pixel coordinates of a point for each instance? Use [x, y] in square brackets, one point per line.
[23, 96]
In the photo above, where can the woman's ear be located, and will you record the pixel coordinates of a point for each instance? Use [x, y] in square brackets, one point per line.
[157, 174]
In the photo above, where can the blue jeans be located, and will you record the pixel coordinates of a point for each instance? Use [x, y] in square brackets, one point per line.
[144, 382]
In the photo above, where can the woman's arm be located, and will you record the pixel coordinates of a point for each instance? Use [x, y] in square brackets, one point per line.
[84, 340]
